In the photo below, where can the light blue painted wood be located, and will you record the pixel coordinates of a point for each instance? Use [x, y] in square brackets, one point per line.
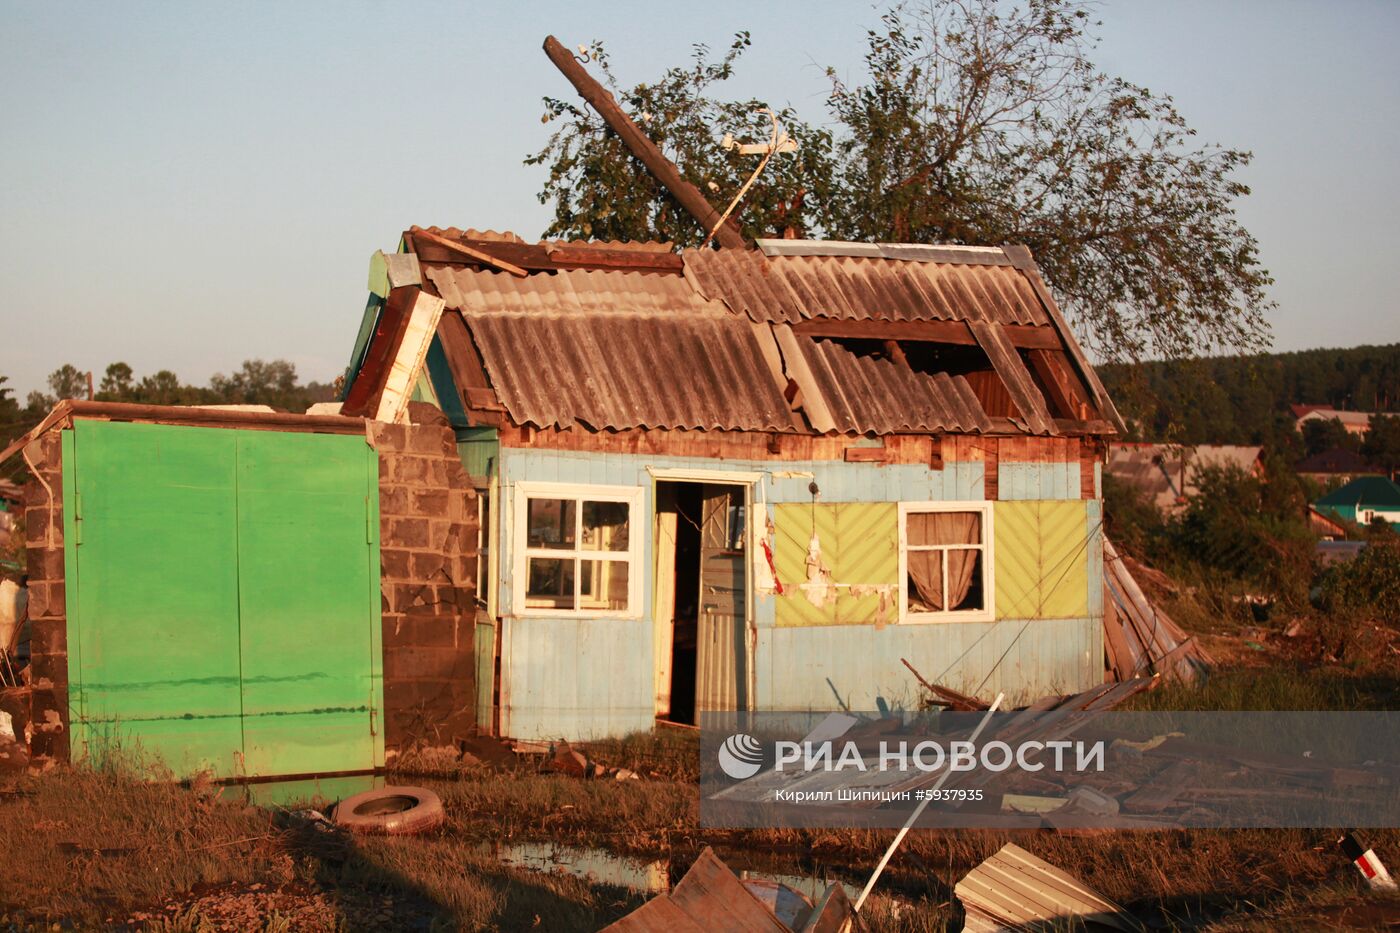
[586, 678]
[576, 678]
[809, 668]
[1094, 511]
[1037, 481]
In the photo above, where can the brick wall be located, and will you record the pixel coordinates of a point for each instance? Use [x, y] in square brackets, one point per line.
[48, 615]
[428, 587]
[428, 524]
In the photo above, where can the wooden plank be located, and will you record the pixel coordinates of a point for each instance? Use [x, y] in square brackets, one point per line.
[1020, 256]
[1026, 336]
[1066, 394]
[867, 455]
[470, 252]
[1024, 392]
[468, 371]
[1157, 794]
[634, 260]
[408, 360]
[1120, 656]
[383, 347]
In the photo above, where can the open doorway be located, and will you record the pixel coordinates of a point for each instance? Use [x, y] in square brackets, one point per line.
[702, 599]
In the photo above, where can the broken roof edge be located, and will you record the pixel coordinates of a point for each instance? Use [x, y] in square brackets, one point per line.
[67, 410]
[1022, 258]
[907, 252]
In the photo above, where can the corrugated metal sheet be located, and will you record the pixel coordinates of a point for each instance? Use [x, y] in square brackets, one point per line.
[867, 395]
[1014, 890]
[571, 291]
[614, 350]
[795, 288]
[640, 371]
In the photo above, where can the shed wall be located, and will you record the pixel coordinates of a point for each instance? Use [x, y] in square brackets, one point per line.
[582, 678]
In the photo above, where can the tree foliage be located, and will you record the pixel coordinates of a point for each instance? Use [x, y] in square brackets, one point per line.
[1244, 400]
[974, 122]
[599, 191]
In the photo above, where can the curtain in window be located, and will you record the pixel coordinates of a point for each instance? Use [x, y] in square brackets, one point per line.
[925, 567]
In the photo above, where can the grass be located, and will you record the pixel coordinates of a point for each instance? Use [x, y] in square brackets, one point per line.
[93, 849]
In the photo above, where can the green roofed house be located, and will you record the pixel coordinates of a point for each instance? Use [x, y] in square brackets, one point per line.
[1364, 500]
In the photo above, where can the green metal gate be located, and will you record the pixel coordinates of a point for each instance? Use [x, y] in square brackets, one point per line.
[223, 598]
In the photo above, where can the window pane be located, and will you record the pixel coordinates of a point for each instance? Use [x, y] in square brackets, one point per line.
[944, 528]
[604, 584]
[551, 522]
[965, 580]
[551, 583]
[483, 546]
[605, 526]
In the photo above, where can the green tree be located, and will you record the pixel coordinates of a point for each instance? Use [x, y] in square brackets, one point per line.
[1382, 443]
[599, 191]
[1323, 434]
[258, 382]
[974, 123]
[9, 406]
[117, 383]
[68, 382]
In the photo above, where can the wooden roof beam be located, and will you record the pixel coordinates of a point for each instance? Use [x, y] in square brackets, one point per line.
[646, 151]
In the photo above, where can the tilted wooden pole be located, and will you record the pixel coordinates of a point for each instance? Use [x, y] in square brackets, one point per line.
[641, 145]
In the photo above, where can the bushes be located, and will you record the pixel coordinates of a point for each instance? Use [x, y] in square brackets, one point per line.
[1368, 584]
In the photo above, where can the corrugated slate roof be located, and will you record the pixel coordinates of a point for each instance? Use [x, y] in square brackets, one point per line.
[791, 288]
[865, 394]
[629, 370]
[571, 291]
[619, 344]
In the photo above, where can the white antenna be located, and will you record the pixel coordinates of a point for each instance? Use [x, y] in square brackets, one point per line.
[779, 141]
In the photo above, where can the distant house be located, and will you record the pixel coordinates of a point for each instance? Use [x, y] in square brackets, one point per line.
[1165, 474]
[1337, 463]
[1363, 500]
[1355, 422]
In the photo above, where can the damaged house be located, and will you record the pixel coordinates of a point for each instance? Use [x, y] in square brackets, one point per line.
[753, 478]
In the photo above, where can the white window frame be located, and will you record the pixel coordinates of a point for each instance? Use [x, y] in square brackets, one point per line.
[985, 614]
[580, 492]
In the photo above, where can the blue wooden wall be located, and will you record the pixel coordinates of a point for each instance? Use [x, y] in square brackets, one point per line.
[587, 678]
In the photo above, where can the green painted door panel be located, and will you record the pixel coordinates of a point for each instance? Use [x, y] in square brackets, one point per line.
[224, 598]
[153, 541]
[308, 593]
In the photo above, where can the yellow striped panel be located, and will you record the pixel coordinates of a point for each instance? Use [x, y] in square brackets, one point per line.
[859, 545]
[1042, 559]
[793, 523]
[867, 554]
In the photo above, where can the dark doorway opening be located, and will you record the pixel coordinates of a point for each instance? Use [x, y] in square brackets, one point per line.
[701, 598]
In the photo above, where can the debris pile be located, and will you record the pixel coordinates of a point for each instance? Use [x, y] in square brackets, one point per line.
[1139, 638]
[711, 897]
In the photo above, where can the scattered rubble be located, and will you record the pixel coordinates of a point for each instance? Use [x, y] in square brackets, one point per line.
[711, 897]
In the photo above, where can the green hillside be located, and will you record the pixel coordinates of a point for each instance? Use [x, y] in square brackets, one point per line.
[1245, 399]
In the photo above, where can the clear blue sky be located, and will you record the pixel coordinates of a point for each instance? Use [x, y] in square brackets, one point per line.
[189, 185]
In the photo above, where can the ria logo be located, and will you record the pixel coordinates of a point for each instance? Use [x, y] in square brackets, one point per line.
[741, 756]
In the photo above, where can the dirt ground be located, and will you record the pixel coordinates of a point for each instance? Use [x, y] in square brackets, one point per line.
[527, 849]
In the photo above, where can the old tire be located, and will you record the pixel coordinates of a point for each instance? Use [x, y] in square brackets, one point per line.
[394, 811]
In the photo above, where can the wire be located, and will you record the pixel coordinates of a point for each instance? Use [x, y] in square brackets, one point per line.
[1082, 547]
[772, 148]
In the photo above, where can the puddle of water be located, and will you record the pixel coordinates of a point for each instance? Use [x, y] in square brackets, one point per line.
[595, 865]
[317, 793]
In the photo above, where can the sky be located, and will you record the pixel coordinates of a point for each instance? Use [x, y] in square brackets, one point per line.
[186, 186]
